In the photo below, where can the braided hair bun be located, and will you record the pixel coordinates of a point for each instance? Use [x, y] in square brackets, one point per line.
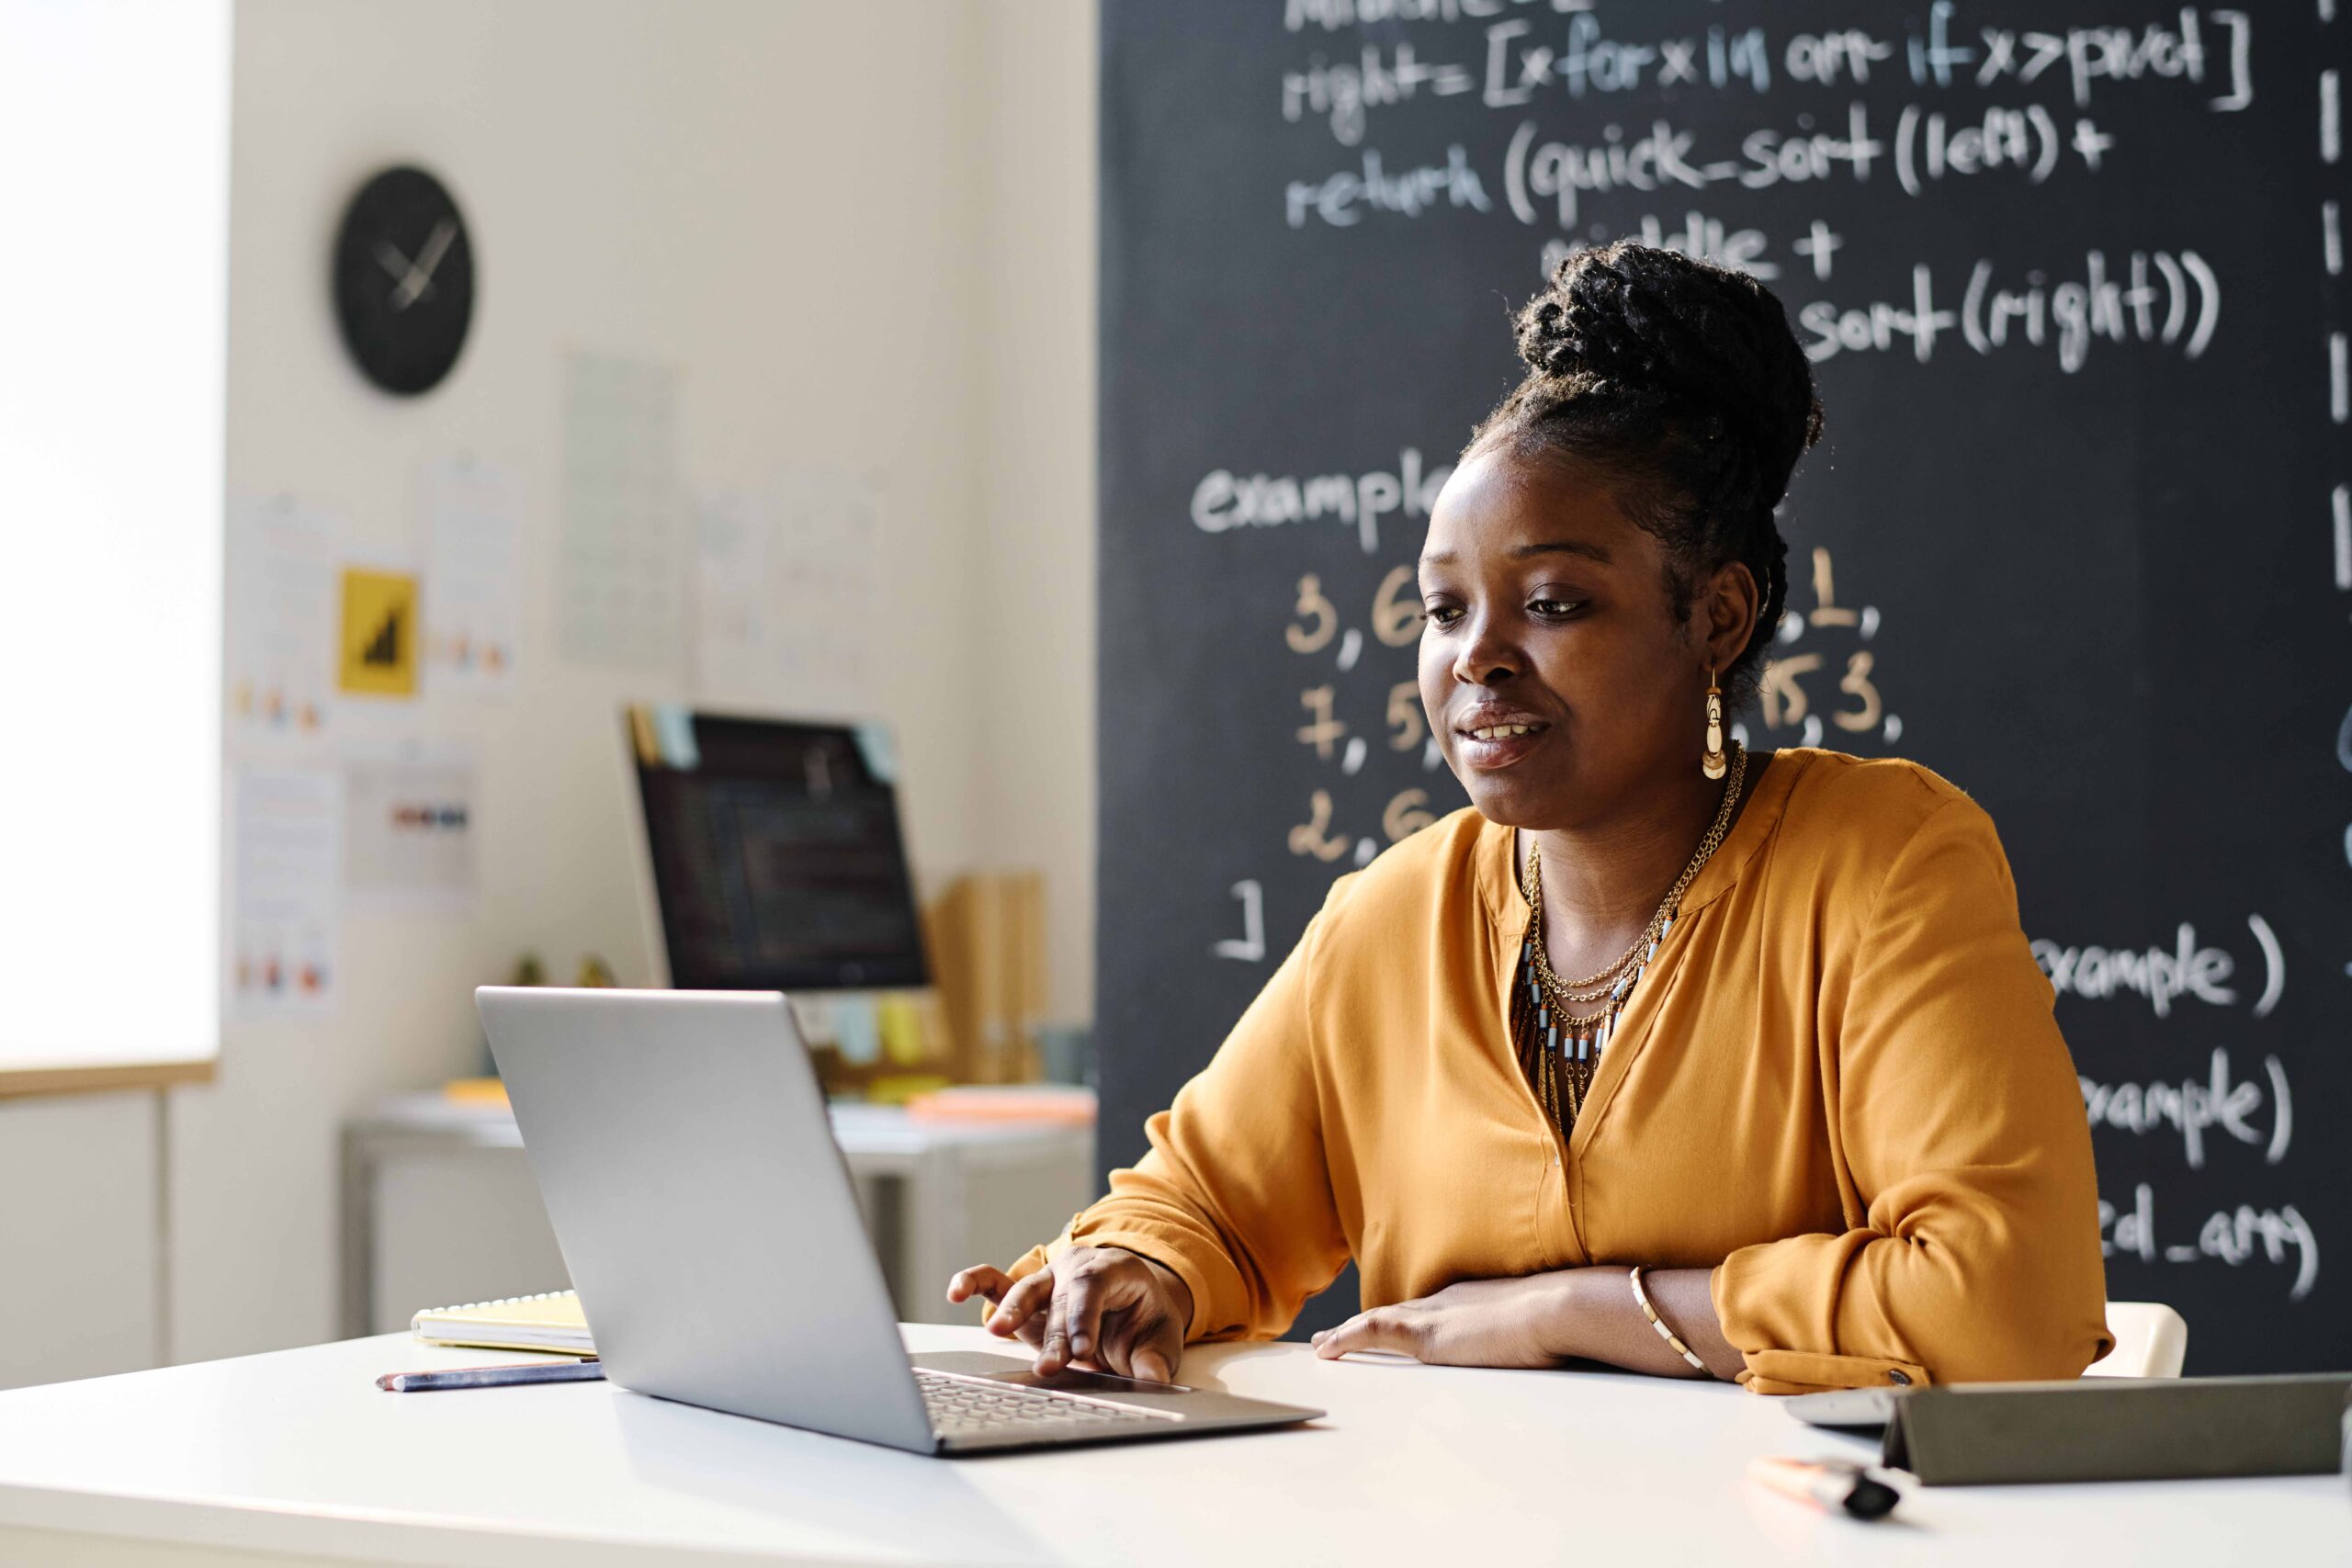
[1681, 381]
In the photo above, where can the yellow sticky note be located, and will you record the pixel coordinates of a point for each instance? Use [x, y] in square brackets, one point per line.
[378, 633]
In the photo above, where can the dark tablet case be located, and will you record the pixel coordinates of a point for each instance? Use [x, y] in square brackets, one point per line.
[2099, 1428]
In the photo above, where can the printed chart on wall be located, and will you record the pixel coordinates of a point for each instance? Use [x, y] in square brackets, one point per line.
[619, 598]
[409, 817]
[2069, 274]
[281, 624]
[284, 950]
[786, 584]
[471, 516]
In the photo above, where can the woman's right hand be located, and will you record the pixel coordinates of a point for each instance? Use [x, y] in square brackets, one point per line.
[1098, 1308]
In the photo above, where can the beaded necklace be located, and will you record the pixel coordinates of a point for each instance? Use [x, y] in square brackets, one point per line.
[1557, 1029]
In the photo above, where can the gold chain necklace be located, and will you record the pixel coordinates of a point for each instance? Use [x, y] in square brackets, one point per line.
[1558, 1046]
[1610, 982]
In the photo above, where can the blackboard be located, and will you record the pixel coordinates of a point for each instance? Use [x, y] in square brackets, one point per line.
[2078, 538]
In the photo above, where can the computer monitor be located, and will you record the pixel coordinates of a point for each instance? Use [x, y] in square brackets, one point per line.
[776, 857]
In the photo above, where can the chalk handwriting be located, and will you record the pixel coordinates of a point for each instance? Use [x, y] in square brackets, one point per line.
[1318, 618]
[1250, 947]
[2154, 973]
[1548, 180]
[1405, 716]
[1340, 92]
[1516, 62]
[1784, 696]
[2235, 1236]
[1224, 500]
[2194, 1107]
[1931, 147]
[1342, 199]
[1519, 63]
[2154, 298]
[1708, 238]
[1321, 728]
[2091, 55]
[1406, 814]
[1313, 837]
[2164, 974]
[1332, 15]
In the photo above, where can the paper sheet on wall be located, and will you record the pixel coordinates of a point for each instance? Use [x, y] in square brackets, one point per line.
[409, 826]
[786, 595]
[619, 597]
[281, 626]
[286, 878]
[472, 517]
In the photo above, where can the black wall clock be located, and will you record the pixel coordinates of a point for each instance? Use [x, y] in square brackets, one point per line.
[404, 280]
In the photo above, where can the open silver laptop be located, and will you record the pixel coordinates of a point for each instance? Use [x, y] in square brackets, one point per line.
[681, 1148]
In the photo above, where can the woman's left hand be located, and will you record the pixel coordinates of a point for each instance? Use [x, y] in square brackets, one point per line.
[1476, 1323]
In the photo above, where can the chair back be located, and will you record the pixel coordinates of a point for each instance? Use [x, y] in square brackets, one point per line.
[2151, 1341]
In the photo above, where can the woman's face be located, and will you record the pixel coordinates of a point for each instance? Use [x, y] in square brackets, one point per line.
[1551, 630]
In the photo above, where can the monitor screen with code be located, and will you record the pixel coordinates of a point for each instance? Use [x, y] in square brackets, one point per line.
[776, 855]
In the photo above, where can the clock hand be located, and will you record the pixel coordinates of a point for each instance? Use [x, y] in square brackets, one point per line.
[415, 278]
[412, 284]
[428, 261]
[389, 258]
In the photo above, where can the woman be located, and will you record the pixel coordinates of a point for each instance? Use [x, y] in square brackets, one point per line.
[1659, 1055]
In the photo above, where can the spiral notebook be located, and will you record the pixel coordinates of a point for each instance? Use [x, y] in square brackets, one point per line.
[549, 1321]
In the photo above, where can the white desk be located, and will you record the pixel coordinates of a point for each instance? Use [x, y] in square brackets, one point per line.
[439, 1207]
[297, 1453]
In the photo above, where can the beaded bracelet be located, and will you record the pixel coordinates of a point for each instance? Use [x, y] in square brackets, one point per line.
[1643, 1298]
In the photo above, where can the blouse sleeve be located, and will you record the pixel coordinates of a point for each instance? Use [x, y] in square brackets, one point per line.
[1233, 1194]
[1961, 1146]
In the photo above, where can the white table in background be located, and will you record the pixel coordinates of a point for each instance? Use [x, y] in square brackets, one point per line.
[297, 1453]
[439, 1207]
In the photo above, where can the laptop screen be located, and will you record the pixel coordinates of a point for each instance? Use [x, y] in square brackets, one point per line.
[776, 854]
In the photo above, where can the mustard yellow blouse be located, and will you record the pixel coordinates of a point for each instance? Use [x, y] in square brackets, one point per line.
[1838, 1086]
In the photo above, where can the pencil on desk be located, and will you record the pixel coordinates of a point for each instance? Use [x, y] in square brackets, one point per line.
[502, 1376]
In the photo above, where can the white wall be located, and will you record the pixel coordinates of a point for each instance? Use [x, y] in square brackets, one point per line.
[864, 235]
[1036, 455]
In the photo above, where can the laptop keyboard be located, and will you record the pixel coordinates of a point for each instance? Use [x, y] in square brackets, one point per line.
[961, 1405]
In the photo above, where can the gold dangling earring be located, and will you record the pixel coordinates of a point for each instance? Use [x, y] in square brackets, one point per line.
[1714, 765]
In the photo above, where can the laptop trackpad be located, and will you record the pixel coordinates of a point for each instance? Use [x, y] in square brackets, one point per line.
[1018, 1371]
